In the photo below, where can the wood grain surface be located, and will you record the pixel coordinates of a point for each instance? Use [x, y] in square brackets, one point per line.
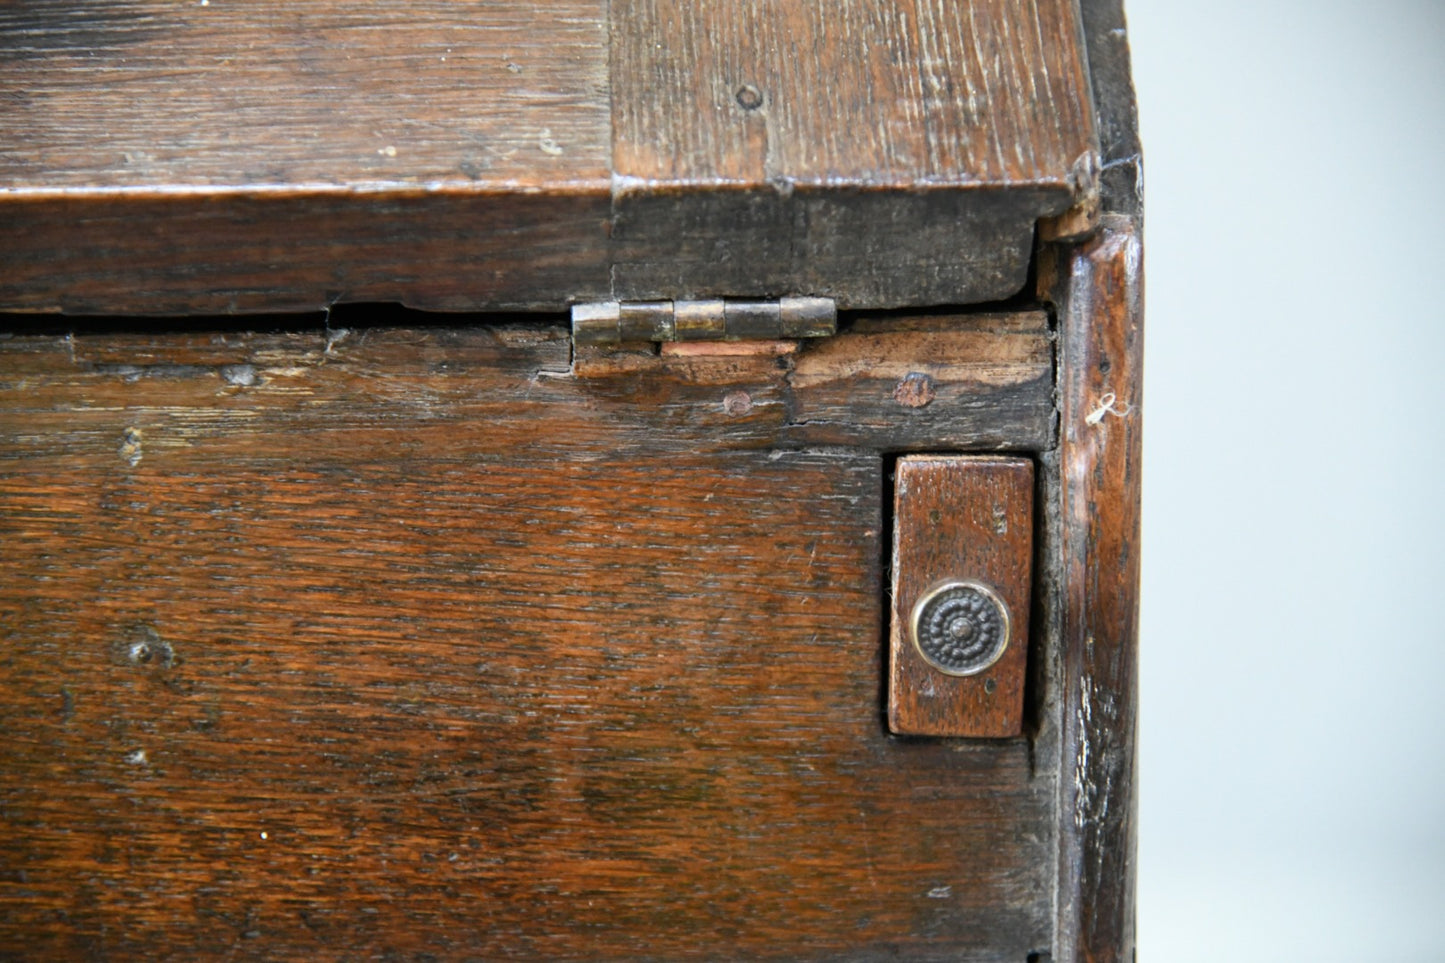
[488, 391]
[140, 94]
[1099, 289]
[960, 519]
[215, 157]
[420, 643]
[910, 94]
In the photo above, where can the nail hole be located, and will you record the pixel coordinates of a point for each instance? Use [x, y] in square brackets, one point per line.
[143, 645]
[989, 685]
[749, 97]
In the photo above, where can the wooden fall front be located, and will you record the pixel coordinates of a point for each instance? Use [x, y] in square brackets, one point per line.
[380, 631]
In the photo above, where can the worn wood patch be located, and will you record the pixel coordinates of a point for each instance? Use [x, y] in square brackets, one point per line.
[542, 706]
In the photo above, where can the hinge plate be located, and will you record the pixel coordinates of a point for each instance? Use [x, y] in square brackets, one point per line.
[718, 319]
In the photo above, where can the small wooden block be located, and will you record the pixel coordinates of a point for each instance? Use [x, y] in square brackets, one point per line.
[965, 522]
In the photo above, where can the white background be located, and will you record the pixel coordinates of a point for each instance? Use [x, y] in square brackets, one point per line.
[1292, 793]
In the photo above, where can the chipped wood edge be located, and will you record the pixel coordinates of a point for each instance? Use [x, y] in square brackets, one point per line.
[1076, 224]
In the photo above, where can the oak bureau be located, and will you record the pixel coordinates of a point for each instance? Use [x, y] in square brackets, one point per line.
[583, 480]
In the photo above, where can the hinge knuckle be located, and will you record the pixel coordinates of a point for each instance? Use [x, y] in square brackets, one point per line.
[596, 322]
[700, 320]
[716, 319]
[808, 317]
[645, 321]
[753, 320]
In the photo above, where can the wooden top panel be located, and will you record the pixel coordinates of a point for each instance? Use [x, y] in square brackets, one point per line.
[899, 94]
[381, 93]
[216, 157]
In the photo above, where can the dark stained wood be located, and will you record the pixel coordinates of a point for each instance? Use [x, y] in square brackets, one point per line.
[422, 645]
[1099, 289]
[866, 248]
[477, 392]
[189, 158]
[1106, 42]
[960, 519]
[237, 252]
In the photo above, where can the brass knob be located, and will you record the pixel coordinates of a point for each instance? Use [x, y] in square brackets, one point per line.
[960, 627]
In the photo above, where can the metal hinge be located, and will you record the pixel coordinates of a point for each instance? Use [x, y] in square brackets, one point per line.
[615, 322]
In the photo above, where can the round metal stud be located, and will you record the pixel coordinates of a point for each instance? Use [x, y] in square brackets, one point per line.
[960, 627]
